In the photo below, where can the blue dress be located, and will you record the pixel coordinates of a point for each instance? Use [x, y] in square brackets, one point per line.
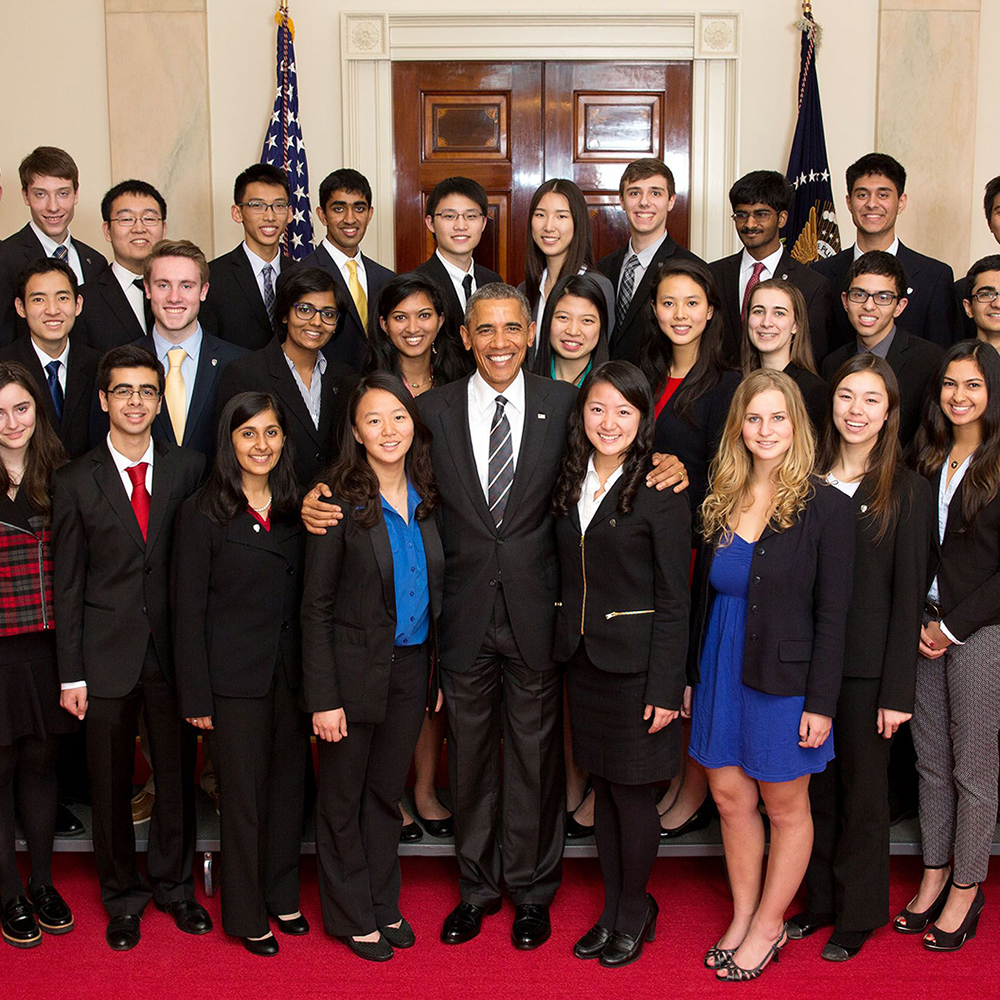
[732, 724]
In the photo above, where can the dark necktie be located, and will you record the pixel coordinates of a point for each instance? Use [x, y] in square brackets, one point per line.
[147, 309]
[267, 273]
[140, 495]
[467, 287]
[626, 289]
[52, 373]
[500, 468]
[61, 253]
[752, 282]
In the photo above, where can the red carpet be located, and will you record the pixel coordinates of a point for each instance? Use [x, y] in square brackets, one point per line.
[693, 900]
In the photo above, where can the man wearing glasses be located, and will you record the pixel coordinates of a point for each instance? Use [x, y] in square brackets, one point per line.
[760, 202]
[112, 521]
[991, 205]
[982, 298]
[240, 303]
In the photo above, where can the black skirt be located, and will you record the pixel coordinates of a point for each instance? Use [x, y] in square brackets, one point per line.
[610, 736]
[29, 688]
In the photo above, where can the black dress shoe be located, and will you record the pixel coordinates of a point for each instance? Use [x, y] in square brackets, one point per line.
[370, 951]
[844, 945]
[576, 830]
[294, 925]
[592, 943]
[531, 926]
[51, 911]
[189, 916]
[67, 823]
[438, 827]
[123, 932]
[410, 833]
[806, 923]
[18, 923]
[623, 949]
[265, 946]
[464, 922]
[703, 815]
[401, 936]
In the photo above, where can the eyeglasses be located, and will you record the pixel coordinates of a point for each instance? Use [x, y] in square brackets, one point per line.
[146, 392]
[257, 207]
[759, 215]
[148, 219]
[860, 297]
[985, 295]
[469, 217]
[306, 310]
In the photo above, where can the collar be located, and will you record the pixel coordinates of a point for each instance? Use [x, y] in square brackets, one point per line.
[412, 502]
[320, 362]
[258, 263]
[456, 273]
[122, 463]
[592, 482]
[192, 346]
[893, 248]
[881, 349]
[770, 262]
[646, 256]
[44, 358]
[339, 257]
[484, 397]
[125, 276]
[49, 244]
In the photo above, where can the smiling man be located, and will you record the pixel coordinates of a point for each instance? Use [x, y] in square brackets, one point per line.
[991, 206]
[981, 300]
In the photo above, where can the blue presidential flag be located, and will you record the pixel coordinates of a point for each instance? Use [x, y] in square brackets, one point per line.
[283, 145]
[811, 231]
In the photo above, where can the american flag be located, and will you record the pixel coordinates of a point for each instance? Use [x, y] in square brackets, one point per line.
[283, 145]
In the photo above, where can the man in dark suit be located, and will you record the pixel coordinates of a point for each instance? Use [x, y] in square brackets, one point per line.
[135, 219]
[112, 524]
[991, 205]
[874, 298]
[647, 193]
[875, 197]
[981, 299]
[240, 303]
[345, 208]
[50, 185]
[760, 202]
[457, 213]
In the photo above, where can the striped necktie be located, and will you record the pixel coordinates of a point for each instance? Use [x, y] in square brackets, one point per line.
[626, 290]
[267, 273]
[61, 253]
[500, 468]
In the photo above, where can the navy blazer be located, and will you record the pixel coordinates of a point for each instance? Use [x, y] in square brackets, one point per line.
[110, 319]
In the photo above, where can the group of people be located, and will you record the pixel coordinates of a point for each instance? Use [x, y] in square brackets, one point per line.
[254, 500]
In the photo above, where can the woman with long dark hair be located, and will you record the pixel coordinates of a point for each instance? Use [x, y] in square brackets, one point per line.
[237, 584]
[956, 718]
[847, 882]
[30, 717]
[373, 591]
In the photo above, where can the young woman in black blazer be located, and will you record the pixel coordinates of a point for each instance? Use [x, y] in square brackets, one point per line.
[373, 592]
[776, 336]
[236, 584]
[957, 714]
[847, 882]
[772, 589]
[622, 629]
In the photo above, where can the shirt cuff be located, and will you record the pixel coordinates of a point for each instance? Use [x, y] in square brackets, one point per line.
[71, 685]
[944, 628]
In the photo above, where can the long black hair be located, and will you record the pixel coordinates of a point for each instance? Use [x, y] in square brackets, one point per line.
[351, 477]
[634, 386]
[295, 282]
[222, 496]
[583, 286]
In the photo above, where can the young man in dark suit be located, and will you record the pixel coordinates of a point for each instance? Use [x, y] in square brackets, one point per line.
[875, 197]
[991, 205]
[647, 193]
[240, 303]
[135, 220]
[457, 213]
[760, 202]
[50, 185]
[345, 208]
[112, 524]
[981, 299]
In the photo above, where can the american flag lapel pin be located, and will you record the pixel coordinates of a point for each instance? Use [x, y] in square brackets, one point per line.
[541, 416]
[215, 361]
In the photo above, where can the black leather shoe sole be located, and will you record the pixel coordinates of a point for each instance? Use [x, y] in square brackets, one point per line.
[21, 940]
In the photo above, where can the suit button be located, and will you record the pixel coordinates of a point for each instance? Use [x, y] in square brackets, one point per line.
[500, 541]
[613, 523]
[144, 609]
[760, 550]
[753, 608]
[493, 583]
[290, 570]
[149, 570]
[285, 626]
[753, 636]
[756, 579]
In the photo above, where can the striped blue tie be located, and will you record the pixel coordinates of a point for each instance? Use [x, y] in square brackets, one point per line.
[61, 253]
[500, 469]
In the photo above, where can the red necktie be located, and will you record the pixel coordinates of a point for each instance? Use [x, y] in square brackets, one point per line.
[140, 495]
[752, 283]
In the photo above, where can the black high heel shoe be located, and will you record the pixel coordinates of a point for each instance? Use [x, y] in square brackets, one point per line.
[702, 816]
[939, 940]
[737, 974]
[916, 923]
[623, 949]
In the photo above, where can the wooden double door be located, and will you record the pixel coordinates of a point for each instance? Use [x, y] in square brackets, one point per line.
[513, 125]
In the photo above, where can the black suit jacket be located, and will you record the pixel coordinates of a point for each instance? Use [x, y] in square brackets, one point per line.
[814, 287]
[234, 309]
[800, 590]
[930, 309]
[966, 324]
[235, 593]
[21, 249]
[267, 370]
[78, 399]
[351, 343]
[627, 339]
[110, 319]
[522, 556]
[349, 616]
[112, 587]
[913, 361]
[625, 589]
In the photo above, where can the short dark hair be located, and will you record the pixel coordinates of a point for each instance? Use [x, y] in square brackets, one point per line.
[877, 163]
[43, 266]
[128, 356]
[648, 166]
[259, 173]
[762, 187]
[132, 187]
[878, 262]
[992, 190]
[989, 263]
[295, 282]
[344, 179]
[48, 161]
[466, 186]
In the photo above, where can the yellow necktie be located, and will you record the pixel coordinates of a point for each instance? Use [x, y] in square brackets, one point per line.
[358, 294]
[176, 394]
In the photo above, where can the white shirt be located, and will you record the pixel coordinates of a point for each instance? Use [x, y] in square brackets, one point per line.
[341, 259]
[645, 259]
[189, 363]
[44, 359]
[258, 264]
[747, 262]
[457, 276]
[136, 296]
[49, 245]
[893, 248]
[482, 406]
[586, 506]
[946, 493]
[849, 489]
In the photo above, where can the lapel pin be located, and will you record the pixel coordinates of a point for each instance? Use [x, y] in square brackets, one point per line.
[541, 416]
[256, 527]
[909, 291]
[215, 361]
[864, 508]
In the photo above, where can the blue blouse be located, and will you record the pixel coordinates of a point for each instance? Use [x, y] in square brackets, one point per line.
[409, 565]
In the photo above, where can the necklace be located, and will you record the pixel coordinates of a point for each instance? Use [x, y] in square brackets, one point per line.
[260, 510]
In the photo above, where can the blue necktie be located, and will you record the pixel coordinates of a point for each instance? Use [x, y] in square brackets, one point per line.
[52, 369]
[61, 253]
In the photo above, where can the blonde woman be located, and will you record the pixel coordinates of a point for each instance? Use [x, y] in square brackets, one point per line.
[771, 594]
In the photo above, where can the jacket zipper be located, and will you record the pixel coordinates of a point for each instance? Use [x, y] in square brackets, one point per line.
[583, 565]
[618, 614]
[41, 573]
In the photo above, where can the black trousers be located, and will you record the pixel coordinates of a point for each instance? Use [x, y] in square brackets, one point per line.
[361, 780]
[111, 730]
[260, 746]
[848, 873]
[512, 831]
